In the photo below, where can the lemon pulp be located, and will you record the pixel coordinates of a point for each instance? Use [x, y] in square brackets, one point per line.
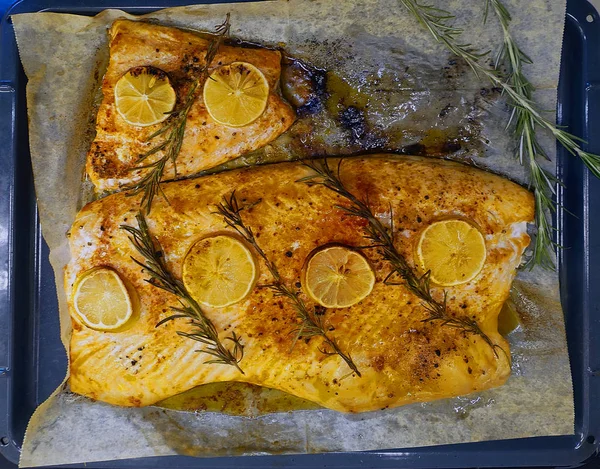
[219, 271]
[101, 300]
[144, 96]
[236, 95]
[338, 277]
[452, 250]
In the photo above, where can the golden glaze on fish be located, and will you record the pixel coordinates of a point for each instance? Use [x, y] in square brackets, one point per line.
[207, 143]
[401, 358]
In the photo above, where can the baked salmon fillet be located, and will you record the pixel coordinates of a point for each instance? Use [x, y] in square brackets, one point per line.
[401, 358]
[206, 143]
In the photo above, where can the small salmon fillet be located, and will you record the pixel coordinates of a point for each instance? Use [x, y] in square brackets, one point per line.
[117, 145]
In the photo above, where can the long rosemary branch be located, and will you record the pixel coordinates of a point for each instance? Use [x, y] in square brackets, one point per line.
[204, 330]
[524, 130]
[382, 237]
[173, 130]
[311, 322]
[527, 116]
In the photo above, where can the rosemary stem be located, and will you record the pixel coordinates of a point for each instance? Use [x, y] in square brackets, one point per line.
[383, 238]
[525, 118]
[311, 322]
[203, 331]
[174, 131]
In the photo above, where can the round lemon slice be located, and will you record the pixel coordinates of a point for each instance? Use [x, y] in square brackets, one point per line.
[144, 96]
[101, 300]
[219, 271]
[338, 277]
[236, 95]
[453, 250]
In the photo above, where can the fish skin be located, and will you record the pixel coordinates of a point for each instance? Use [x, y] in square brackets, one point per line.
[206, 144]
[402, 359]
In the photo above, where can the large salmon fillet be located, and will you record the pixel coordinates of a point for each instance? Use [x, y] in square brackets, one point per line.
[206, 143]
[402, 359]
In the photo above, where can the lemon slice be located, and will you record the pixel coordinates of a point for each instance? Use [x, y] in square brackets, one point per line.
[219, 271]
[101, 300]
[235, 95]
[453, 250]
[338, 277]
[144, 96]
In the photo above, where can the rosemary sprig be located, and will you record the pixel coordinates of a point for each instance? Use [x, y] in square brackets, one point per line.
[527, 117]
[382, 237]
[204, 330]
[311, 321]
[173, 130]
[529, 147]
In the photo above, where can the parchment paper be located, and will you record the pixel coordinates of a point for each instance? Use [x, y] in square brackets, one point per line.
[414, 86]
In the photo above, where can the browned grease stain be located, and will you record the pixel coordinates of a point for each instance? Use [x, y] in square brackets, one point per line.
[342, 95]
[242, 399]
[357, 112]
[440, 142]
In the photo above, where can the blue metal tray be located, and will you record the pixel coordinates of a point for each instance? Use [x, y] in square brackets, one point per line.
[33, 362]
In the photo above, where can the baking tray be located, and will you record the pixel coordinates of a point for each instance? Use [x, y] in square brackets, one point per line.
[33, 362]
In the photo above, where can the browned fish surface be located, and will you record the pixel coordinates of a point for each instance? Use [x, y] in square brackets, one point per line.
[206, 144]
[402, 359]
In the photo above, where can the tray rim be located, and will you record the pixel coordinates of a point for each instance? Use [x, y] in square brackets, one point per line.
[582, 446]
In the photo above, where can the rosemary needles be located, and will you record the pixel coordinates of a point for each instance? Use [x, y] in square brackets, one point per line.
[311, 321]
[526, 118]
[524, 130]
[203, 330]
[173, 131]
[382, 237]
